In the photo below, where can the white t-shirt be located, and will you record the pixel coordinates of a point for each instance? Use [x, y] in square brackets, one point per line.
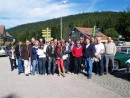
[99, 48]
[42, 52]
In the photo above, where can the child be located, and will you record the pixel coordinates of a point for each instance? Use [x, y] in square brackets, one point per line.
[12, 57]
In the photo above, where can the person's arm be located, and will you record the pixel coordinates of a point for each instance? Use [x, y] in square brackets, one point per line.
[73, 51]
[115, 49]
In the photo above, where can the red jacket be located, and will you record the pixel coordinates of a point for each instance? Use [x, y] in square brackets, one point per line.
[77, 51]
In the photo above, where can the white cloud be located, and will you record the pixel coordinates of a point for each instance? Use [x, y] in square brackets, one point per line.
[16, 12]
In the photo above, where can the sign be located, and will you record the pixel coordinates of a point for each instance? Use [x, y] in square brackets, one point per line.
[47, 34]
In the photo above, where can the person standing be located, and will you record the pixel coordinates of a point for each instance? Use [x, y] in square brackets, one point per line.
[26, 55]
[59, 58]
[67, 55]
[99, 54]
[77, 52]
[93, 43]
[71, 65]
[12, 57]
[51, 56]
[110, 52]
[18, 49]
[89, 55]
[42, 58]
[35, 58]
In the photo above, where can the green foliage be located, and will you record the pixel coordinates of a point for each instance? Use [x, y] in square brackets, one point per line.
[123, 24]
[112, 32]
[106, 21]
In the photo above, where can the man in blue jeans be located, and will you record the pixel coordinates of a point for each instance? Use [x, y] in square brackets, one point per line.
[51, 55]
[35, 57]
[99, 54]
[89, 54]
[18, 55]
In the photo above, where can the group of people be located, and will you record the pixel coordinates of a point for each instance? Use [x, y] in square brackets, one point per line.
[62, 57]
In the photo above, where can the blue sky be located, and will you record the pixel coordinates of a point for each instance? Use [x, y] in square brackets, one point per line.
[17, 12]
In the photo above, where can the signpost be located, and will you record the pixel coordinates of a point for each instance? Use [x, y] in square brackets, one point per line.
[47, 34]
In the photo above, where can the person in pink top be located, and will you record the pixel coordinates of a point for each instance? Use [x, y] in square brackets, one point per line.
[77, 52]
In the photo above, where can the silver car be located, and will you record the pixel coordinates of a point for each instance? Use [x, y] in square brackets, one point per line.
[3, 51]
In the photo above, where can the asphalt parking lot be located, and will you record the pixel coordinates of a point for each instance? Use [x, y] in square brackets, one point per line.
[13, 85]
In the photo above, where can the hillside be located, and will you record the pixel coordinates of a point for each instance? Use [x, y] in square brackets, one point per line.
[106, 21]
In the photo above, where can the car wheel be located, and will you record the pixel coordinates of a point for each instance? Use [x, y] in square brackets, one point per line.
[116, 65]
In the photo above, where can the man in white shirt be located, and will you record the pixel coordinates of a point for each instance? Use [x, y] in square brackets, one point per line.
[99, 54]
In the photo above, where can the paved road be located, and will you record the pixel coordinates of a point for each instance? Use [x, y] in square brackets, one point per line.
[13, 85]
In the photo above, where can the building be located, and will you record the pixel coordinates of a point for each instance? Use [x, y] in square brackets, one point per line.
[78, 32]
[5, 37]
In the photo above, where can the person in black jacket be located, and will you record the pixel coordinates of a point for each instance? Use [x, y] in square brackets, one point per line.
[18, 55]
[89, 54]
[51, 56]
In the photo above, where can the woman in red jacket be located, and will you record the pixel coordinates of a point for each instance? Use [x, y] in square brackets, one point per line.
[77, 52]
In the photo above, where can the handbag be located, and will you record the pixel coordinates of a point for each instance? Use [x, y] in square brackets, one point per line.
[64, 57]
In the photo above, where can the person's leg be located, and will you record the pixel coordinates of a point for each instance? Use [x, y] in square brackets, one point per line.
[54, 65]
[96, 67]
[29, 66]
[58, 64]
[37, 67]
[86, 64]
[15, 65]
[44, 68]
[90, 67]
[76, 68]
[107, 62]
[40, 65]
[72, 63]
[101, 65]
[49, 65]
[33, 67]
[79, 64]
[26, 66]
[11, 63]
[112, 62]
[20, 66]
[62, 66]
[75, 65]
[67, 64]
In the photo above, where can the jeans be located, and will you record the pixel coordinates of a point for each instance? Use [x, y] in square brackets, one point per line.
[13, 63]
[101, 64]
[42, 63]
[20, 66]
[51, 63]
[77, 65]
[109, 58]
[34, 66]
[89, 66]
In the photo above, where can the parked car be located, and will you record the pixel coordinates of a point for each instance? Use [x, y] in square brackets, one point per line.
[3, 51]
[122, 57]
[121, 43]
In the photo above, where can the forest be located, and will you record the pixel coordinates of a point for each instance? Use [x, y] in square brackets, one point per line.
[110, 23]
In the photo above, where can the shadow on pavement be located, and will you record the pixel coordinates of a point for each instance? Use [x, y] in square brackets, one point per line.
[122, 74]
[11, 96]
